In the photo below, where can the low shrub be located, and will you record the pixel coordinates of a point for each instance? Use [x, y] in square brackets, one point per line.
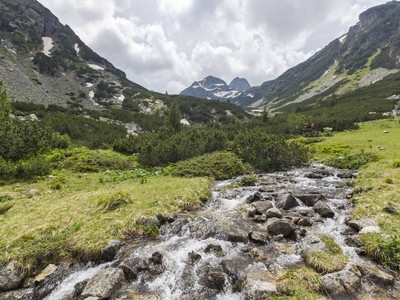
[348, 160]
[5, 198]
[396, 164]
[114, 201]
[267, 152]
[249, 180]
[385, 250]
[35, 166]
[219, 165]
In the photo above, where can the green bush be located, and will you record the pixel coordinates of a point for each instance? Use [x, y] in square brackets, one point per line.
[386, 250]
[396, 164]
[7, 169]
[268, 152]
[85, 160]
[5, 198]
[220, 165]
[351, 161]
[249, 180]
[35, 166]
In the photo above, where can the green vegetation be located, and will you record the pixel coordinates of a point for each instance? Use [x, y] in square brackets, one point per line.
[329, 261]
[219, 165]
[299, 284]
[77, 221]
[375, 181]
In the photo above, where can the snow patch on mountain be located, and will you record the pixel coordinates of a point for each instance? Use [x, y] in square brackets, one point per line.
[47, 45]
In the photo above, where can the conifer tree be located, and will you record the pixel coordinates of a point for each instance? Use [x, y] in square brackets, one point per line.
[174, 116]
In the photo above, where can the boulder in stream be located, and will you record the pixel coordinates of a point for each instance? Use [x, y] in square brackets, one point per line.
[193, 257]
[104, 283]
[259, 286]
[286, 201]
[310, 199]
[277, 226]
[11, 276]
[324, 210]
[262, 207]
[255, 197]
[274, 213]
[377, 276]
[346, 281]
[259, 237]
[111, 250]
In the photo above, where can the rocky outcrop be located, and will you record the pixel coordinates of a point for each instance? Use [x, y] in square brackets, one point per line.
[104, 283]
[11, 276]
[283, 227]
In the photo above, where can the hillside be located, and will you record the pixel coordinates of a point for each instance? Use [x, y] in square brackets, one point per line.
[45, 63]
[365, 56]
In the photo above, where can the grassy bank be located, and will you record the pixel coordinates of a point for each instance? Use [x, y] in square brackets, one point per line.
[374, 147]
[73, 216]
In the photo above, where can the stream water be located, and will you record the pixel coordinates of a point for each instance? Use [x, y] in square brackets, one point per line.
[224, 250]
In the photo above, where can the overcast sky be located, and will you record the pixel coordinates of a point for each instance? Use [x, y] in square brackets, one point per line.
[165, 45]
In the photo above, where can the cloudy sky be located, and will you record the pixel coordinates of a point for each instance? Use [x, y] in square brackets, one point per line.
[165, 45]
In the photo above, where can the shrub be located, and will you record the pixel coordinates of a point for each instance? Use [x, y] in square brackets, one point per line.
[385, 250]
[268, 152]
[35, 166]
[389, 180]
[351, 161]
[220, 165]
[5, 198]
[396, 164]
[114, 201]
[247, 181]
[7, 169]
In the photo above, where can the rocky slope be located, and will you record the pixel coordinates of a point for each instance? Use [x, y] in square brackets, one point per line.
[366, 55]
[43, 61]
[215, 88]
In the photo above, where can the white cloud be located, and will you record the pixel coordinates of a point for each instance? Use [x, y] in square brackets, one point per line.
[168, 44]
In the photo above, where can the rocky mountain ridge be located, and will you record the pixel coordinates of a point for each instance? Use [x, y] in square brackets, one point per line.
[215, 88]
[366, 55]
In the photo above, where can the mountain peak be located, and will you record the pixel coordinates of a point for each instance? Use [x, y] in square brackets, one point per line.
[240, 84]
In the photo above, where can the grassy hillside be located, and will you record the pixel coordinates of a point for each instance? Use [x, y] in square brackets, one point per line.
[378, 183]
[73, 216]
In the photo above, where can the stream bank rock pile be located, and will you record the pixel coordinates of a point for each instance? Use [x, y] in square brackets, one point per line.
[236, 247]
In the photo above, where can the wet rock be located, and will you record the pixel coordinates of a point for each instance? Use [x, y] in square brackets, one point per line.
[151, 222]
[251, 213]
[324, 210]
[346, 175]
[314, 175]
[277, 226]
[104, 283]
[262, 207]
[353, 241]
[258, 254]
[305, 222]
[346, 281]
[234, 269]
[377, 276]
[286, 201]
[259, 237]
[390, 209]
[111, 250]
[22, 294]
[310, 199]
[156, 258]
[194, 257]
[161, 218]
[79, 287]
[255, 197]
[213, 248]
[260, 219]
[48, 271]
[171, 218]
[130, 267]
[273, 213]
[236, 233]
[215, 279]
[358, 225]
[259, 286]
[311, 243]
[11, 277]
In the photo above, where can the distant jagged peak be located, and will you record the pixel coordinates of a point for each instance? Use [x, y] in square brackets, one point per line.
[240, 84]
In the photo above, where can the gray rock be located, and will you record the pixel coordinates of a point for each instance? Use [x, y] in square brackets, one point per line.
[111, 250]
[310, 199]
[104, 283]
[257, 287]
[215, 279]
[11, 277]
[262, 207]
[346, 175]
[194, 257]
[255, 197]
[377, 276]
[346, 281]
[48, 271]
[390, 209]
[213, 248]
[358, 225]
[324, 210]
[259, 237]
[277, 226]
[130, 267]
[286, 201]
[274, 213]
[305, 222]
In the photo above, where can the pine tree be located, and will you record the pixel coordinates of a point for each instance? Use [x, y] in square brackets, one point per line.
[5, 107]
[174, 116]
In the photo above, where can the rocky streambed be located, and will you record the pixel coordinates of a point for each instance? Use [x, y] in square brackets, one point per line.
[236, 247]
